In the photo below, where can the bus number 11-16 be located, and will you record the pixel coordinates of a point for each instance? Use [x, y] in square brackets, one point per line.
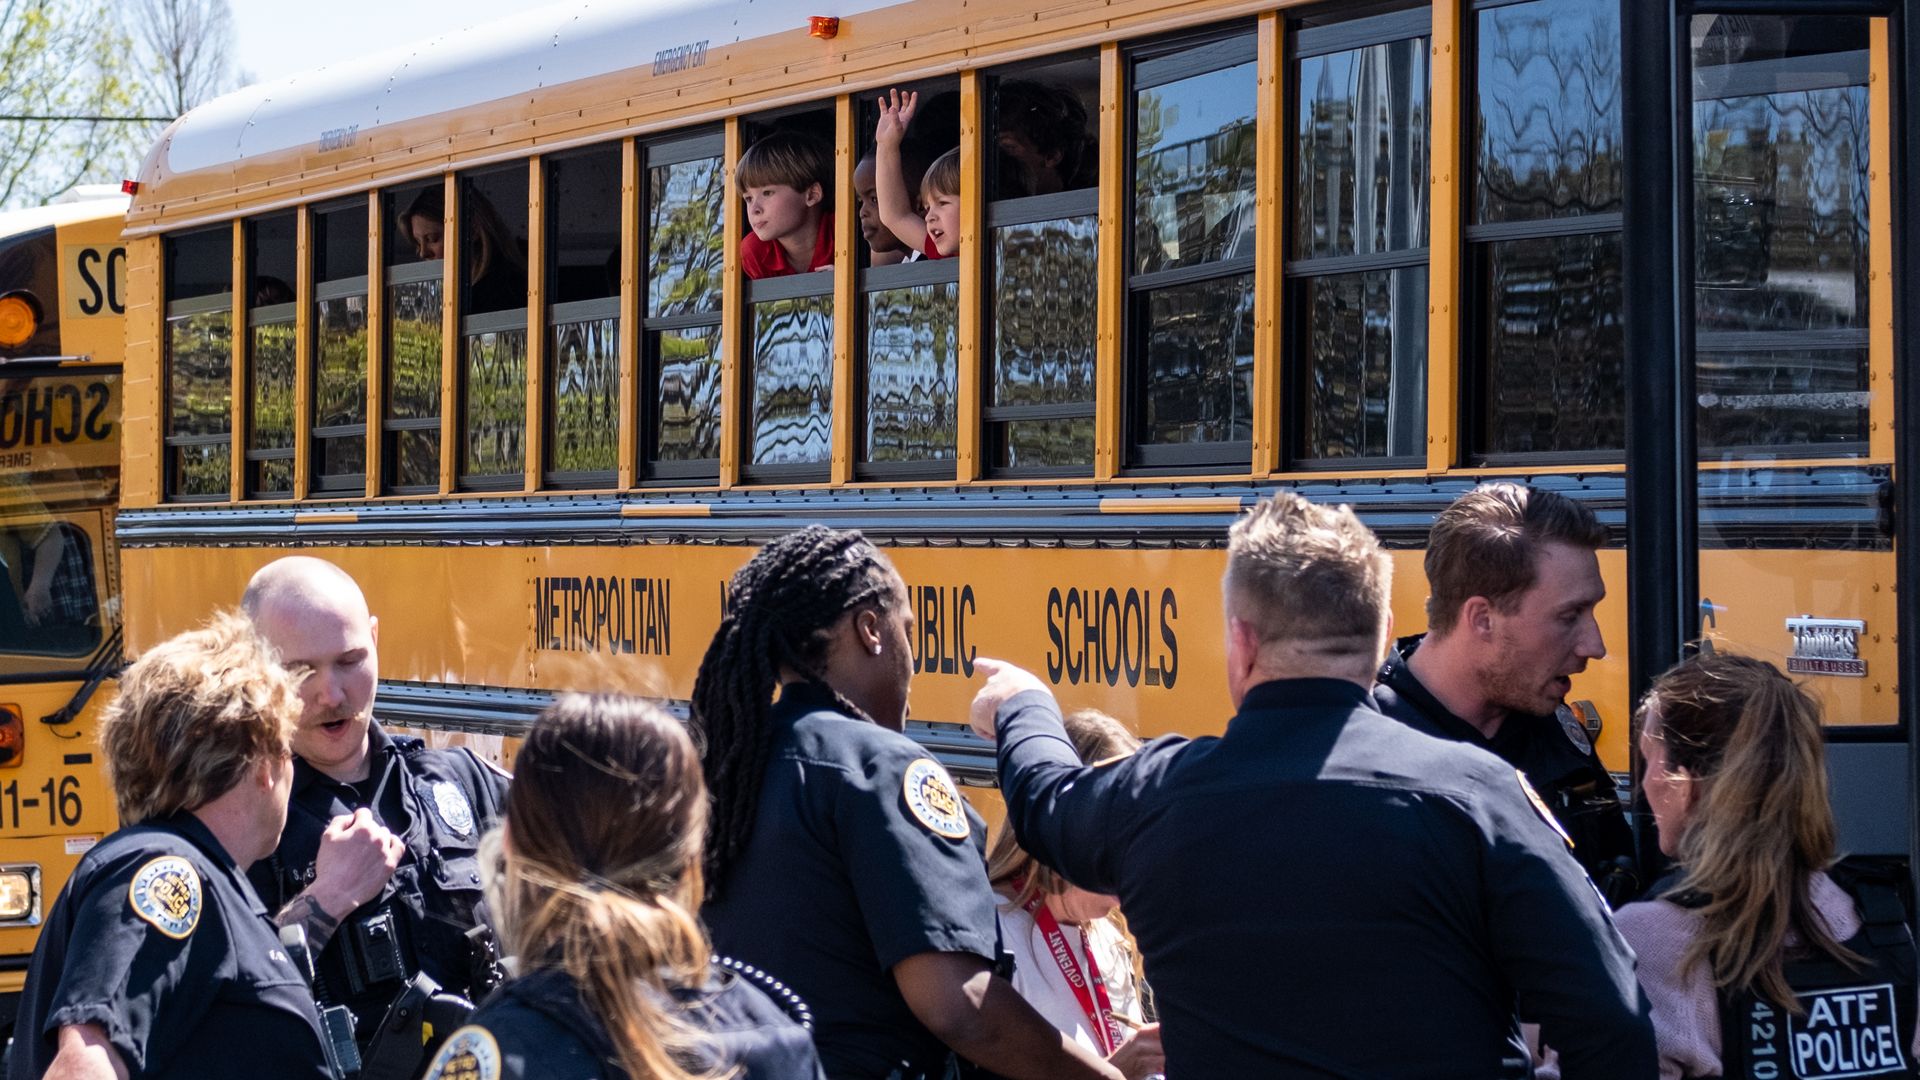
[61, 798]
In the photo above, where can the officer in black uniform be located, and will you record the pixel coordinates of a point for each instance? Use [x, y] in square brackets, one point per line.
[376, 924]
[1322, 891]
[1514, 582]
[158, 959]
[841, 858]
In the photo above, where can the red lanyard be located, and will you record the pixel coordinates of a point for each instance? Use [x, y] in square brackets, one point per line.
[1088, 988]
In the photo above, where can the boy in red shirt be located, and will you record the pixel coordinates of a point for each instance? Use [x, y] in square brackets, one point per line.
[784, 179]
[933, 227]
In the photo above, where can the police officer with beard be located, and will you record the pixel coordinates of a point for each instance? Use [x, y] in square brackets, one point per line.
[1514, 582]
[406, 907]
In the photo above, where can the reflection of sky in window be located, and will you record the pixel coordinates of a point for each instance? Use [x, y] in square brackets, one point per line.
[1549, 80]
[1203, 105]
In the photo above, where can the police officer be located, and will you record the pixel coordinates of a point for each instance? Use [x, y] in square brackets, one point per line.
[377, 923]
[1514, 582]
[1322, 891]
[840, 857]
[598, 892]
[158, 959]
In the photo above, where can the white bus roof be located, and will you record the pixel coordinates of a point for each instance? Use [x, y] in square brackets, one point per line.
[14, 222]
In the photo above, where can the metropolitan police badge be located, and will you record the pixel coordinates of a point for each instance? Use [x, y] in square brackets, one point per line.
[934, 800]
[468, 1054]
[451, 804]
[166, 894]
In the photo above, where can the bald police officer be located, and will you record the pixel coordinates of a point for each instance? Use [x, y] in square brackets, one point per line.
[1513, 583]
[375, 922]
[1323, 891]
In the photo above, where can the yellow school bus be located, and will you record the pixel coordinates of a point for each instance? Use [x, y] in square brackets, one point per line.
[470, 318]
[62, 333]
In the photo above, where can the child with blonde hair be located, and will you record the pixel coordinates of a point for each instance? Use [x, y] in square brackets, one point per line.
[932, 227]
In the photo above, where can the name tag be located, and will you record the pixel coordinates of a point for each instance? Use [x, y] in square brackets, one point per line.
[1845, 1032]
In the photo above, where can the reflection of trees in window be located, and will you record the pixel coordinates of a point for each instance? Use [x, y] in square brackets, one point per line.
[340, 392]
[687, 237]
[684, 264]
[584, 431]
[792, 380]
[911, 342]
[270, 381]
[413, 383]
[688, 428]
[200, 359]
[495, 388]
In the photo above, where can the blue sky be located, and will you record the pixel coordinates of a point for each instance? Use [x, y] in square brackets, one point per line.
[274, 39]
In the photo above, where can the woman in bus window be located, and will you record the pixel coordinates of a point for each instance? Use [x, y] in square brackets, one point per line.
[1070, 960]
[842, 858]
[1041, 133]
[1759, 954]
[597, 887]
[496, 277]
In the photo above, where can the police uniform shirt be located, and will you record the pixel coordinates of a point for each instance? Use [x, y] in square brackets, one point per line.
[439, 802]
[159, 939]
[862, 854]
[537, 1027]
[1554, 752]
[1324, 891]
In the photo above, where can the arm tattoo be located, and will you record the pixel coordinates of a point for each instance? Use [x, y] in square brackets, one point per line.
[306, 912]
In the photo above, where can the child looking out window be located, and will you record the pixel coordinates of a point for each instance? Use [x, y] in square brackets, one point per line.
[932, 227]
[785, 181]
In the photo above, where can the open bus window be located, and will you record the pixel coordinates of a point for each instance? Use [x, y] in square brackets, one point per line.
[583, 258]
[1356, 265]
[1042, 262]
[410, 455]
[909, 296]
[48, 603]
[199, 438]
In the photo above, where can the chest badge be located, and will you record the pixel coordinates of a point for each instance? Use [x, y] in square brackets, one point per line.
[450, 804]
[166, 895]
[1571, 727]
[934, 800]
[468, 1054]
[1540, 807]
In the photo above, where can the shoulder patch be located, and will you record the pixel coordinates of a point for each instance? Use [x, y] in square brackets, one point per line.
[1576, 734]
[468, 1054]
[450, 805]
[1540, 807]
[165, 893]
[934, 799]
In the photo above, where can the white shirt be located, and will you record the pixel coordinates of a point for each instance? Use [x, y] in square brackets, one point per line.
[1038, 978]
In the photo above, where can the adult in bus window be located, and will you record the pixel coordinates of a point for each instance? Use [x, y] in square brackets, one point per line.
[380, 859]
[595, 876]
[841, 857]
[1514, 580]
[1762, 957]
[158, 960]
[1042, 138]
[496, 277]
[1323, 891]
[1070, 959]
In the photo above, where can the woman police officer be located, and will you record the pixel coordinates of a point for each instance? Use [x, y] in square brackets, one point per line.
[841, 857]
[158, 959]
[597, 889]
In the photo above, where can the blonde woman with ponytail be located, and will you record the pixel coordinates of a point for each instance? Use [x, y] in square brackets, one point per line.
[596, 888]
[1762, 959]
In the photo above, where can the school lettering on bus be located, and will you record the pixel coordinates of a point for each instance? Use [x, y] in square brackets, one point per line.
[1112, 636]
[74, 418]
[616, 615]
[940, 616]
[95, 280]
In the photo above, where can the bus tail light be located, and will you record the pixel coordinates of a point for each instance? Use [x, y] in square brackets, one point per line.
[13, 737]
[20, 316]
[20, 893]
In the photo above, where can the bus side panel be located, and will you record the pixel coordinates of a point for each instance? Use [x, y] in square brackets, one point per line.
[143, 422]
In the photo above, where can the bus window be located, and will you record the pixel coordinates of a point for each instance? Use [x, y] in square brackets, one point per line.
[48, 606]
[271, 270]
[199, 279]
[583, 256]
[910, 300]
[1042, 263]
[493, 327]
[339, 243]
[789, 368]
[684, 197]
[1190, 289]
[1357, 263]
[1780, 288]
[410, 458]
[1543, 232]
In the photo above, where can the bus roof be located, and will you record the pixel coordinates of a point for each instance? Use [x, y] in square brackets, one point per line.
[14, 222]
[383, 106]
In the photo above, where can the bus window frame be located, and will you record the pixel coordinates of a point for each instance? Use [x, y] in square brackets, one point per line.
[502, 321]
[567, 313]
[197, 304]
[678, 148]
[1145, 65]
[392, 205]
[877, 279]
[319, 484]
[1306, 39]
[91, 522]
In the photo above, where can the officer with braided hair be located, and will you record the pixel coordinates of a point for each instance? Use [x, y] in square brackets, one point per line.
[840, 857]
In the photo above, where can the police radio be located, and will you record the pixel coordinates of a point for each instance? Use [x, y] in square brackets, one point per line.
[336, 1021]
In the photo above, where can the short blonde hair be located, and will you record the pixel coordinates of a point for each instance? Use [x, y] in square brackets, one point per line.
[1098, 738]
[193, 715]
[1308, 574]
[942, 177]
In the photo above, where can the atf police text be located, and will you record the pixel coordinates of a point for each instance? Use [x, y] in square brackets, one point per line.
[603, 614]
